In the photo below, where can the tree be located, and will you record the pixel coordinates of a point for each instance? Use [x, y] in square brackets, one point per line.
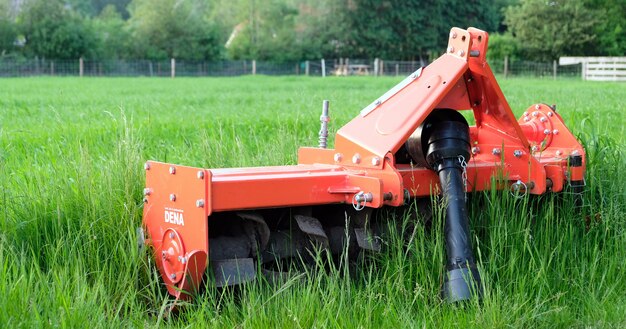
[611, 30]
[173, 29]
[114, 39]
[8, 30]
[52, 30]
[547, 30]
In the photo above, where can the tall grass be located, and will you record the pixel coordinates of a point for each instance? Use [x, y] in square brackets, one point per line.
[71, 153]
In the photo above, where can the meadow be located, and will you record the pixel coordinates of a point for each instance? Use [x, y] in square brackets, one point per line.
[71, 179]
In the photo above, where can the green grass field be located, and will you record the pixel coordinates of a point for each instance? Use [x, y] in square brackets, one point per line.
[71, 179]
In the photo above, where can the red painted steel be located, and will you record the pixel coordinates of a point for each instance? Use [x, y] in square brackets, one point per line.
[533, 150]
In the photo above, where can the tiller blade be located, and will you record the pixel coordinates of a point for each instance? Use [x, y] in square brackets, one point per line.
[405, 144]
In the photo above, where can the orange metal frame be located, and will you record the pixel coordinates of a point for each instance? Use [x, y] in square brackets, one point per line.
[534, 150]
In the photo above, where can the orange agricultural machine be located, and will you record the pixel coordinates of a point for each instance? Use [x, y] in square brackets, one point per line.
[411, 141]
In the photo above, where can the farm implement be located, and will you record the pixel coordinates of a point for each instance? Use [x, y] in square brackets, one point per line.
[413, 141]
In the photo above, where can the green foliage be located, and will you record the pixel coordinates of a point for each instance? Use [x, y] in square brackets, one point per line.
[502, 45]
[173, 29]
[547, 30]
[8, 30]
[611, 29]
[52, 30]
[114, 39]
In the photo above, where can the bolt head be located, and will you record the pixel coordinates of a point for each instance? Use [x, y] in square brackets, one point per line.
[453, 35]
[172, 197]
[172, 170]
[338, 157]
[356, 159]
[558, 152]
[200, 174]
[555, 132]
[526, 119]
[525, 113]
[547, 131]
[535, 148]
[496, 151]
[575, 152]
[550, 114]
[475, 150]
[147, 191]
[537, 107]
[375, 161]
[172, 235]
[450, 49]
[535, 113]
[543, 119]
[378, 102]
[517, 153]
[461, 52]
[146, 166]
[173, 276]
[145, 200]
[200, 203]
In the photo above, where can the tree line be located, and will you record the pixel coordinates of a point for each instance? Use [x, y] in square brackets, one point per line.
[291, 30]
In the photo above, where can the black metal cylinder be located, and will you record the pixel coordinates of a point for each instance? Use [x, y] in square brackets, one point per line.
[448, 147]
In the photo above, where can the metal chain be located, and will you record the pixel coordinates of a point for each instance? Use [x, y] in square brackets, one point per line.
[464, 175]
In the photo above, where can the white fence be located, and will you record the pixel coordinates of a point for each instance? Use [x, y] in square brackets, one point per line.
[599, 68]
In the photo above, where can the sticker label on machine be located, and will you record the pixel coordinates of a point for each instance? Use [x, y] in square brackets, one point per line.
[174, 216]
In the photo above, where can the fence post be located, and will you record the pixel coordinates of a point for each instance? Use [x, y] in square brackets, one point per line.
[323, 68]
[254, 67]
[397, 69]
[52, 67]
[375, 66]
[306, 68]
[150, 68]
[506, 66]
[382, 67]
[173, 68]
[583, 70]
[81, 67]
[554, 69]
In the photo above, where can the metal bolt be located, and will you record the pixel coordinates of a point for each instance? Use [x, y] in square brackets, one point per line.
[550, 114]
[147, 191]
[461, 52]
[453, 35]
[163, 254]
[558, 152]
[145, 200]
[146, 166]
[200, 174]
[173, 276]
[450, 49]
[182, 259]
[200, 203]
[375, 161]
[356, 159]
[526, 119]
[575, 152]
[537, 107]
[172, 170]
[535, 148]
[543, 119]
[172, 197]
[555, 132]
[413, 76]
[518, 153]
[525, 113]
[338, 157]
[535, 113]
[475, 150]
[547, 132]
[172, 235]
[496, 151]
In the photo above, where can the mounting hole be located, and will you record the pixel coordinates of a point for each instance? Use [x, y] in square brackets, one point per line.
[444, 82]
[463, 38]
[428, 87]
[480, 38]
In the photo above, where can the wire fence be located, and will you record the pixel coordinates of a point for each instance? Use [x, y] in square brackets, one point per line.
[11, 67]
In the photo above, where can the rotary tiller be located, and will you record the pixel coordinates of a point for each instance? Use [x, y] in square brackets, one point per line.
[409, 143]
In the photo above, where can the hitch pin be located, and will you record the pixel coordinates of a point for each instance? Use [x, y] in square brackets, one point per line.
[324, 118]
[360, 199]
